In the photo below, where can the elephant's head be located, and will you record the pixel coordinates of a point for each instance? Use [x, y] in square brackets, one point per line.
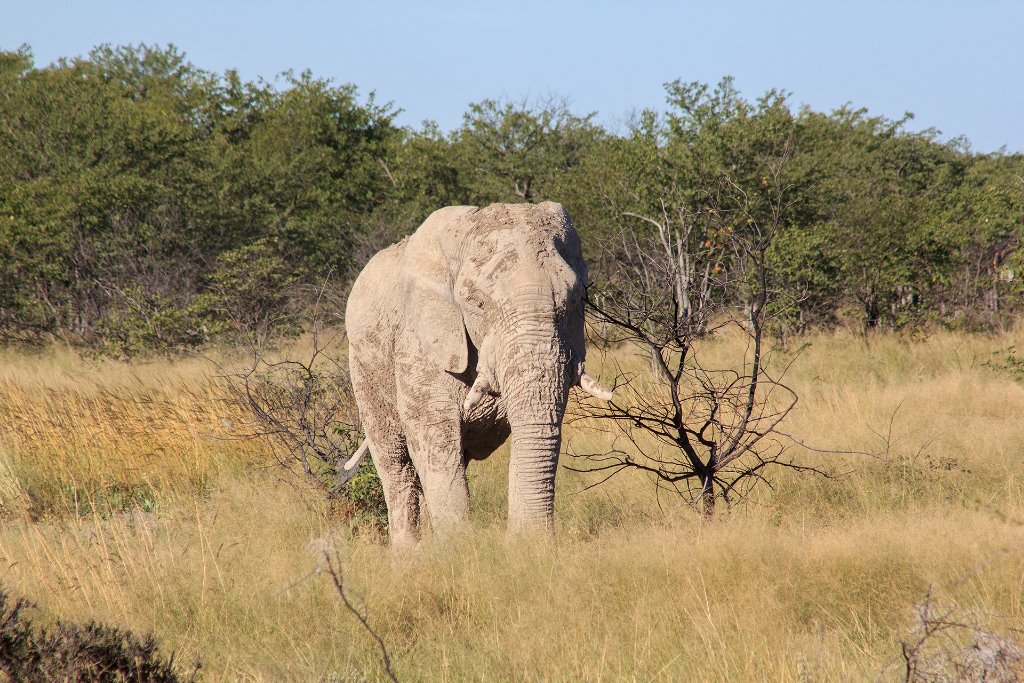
[495, 296]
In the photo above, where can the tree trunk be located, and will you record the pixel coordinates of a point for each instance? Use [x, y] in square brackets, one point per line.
[707, 496]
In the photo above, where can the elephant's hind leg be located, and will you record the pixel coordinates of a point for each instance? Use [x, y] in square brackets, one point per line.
[402, 490]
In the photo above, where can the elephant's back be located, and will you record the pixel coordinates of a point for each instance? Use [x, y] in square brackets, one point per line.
[372, 310]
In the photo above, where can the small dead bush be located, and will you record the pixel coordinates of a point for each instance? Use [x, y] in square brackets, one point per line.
[949, 644]
[76, 652]
[303, 406]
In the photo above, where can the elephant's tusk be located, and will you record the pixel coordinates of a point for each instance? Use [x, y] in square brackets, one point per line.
[357, 456]
[481, 387]
[590, 385]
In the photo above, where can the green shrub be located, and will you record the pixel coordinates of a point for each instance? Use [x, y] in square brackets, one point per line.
[363, 498]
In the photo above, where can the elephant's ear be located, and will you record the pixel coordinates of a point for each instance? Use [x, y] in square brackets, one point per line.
[430, 309]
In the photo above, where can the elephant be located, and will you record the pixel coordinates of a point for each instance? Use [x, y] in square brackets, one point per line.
[463, 334]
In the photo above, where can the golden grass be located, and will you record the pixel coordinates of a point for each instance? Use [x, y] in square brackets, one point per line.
[75, 434]
[816, 580]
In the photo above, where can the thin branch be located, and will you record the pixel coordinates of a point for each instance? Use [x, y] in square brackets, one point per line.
[339, 586]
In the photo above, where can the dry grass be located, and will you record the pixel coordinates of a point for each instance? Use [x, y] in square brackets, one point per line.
[78, 435]
[815, 580]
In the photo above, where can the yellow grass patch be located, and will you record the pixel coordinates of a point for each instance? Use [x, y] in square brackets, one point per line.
[814, 580]
[77, 435]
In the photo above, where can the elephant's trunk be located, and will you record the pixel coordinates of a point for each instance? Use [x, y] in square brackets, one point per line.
[531, 476]
[535, 380]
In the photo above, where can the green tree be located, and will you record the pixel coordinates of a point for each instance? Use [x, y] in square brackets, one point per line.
[983, 218]
[872, 187]
[89, 175]
[516, 152]
[307, 168]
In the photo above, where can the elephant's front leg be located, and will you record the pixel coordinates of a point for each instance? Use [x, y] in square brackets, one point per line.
[437, 454]
[432, 420]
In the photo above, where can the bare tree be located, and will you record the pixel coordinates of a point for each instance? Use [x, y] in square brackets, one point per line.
[675, 280]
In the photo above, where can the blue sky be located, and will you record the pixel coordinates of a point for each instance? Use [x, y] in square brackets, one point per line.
[959, 66]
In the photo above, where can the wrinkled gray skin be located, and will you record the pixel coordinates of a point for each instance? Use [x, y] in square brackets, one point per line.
[463, 334]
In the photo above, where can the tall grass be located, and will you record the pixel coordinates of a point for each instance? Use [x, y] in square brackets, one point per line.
[815, 579]
[77, 435]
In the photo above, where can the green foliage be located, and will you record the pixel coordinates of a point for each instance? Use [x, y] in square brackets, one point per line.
[516, 153]
[304, 168]
[133, 171]
[69, 651]
[874, 188]
[982, 221]
[250, 286]
[149, 205]
[424, 175]
[145, 322]
[805, 264]
[363, 496]
[248, 295]
[1007, 362]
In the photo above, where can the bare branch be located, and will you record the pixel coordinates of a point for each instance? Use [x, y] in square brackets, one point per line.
[334, 571]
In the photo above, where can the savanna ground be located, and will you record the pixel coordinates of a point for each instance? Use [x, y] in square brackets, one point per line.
[125, 499]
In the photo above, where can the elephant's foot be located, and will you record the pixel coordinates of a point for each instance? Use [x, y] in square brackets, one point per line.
[403, 540]
[447, 497]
